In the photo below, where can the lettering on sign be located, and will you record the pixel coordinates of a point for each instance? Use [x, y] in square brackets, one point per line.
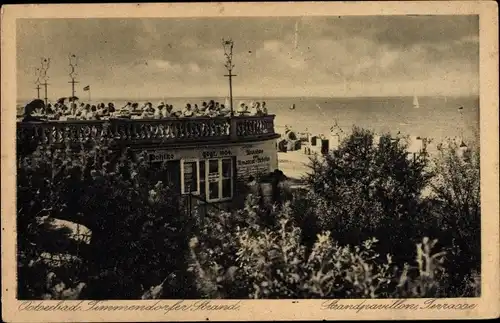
[159, 156]
[254, 151]
[255, 160]
[252, 161]
[216, 153]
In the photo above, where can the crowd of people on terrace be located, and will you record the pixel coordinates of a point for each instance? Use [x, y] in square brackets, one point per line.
[85, 111]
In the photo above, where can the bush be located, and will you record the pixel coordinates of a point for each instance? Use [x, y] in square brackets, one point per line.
[364, 189]
[456, 210]
[312, 243]
[137, 227]
[252, 260]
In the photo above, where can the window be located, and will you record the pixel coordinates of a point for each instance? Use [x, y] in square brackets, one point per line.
[226, 178]
[212, 178]
[189, 176]
[218, 179]
[215, 176]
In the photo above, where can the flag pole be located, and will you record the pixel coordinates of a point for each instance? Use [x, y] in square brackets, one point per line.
[89, 94]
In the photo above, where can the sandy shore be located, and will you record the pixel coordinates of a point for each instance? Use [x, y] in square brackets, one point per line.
[293, 163]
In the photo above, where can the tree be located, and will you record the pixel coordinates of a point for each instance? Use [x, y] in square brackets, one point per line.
[457, 206]
[240, 256]
[364, 189]
[139, 232]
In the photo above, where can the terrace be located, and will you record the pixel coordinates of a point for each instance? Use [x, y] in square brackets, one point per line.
[148, 132]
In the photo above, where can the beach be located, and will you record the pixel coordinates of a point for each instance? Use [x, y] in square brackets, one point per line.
[293, 163]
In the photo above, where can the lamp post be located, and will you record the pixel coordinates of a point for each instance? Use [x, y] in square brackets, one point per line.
[228, 53]
[72, 64]
[37, 82]
[43, 72]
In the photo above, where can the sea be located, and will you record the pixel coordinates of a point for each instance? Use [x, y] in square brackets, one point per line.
[435, 117]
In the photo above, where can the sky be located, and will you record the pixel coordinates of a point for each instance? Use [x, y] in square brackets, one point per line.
[328, 56]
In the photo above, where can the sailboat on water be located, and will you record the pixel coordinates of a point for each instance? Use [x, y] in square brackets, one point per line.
[416, 105]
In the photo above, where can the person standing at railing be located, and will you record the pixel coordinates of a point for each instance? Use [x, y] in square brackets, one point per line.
[85, 112]
[224, 111]
[206, 111]
[58, 108]
[147, 110]
[63, 109]
[158, 110]
[264, 109]
[211, 111]
[111, 107]
[81, 113]
[148, 106]
[167, 112]
[187, 112]
[217, 109]
[246, 110]
[73, 109]
[254, 109]
[203, 109]
[196, 110]
[74, 100]
[105, 112]
[100, 110]
[93, 113]
[241, 109]
[80, 109]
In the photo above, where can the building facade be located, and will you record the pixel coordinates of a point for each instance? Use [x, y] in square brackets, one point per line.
[204, 157]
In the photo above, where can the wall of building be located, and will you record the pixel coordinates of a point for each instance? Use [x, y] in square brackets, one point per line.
[252, 159]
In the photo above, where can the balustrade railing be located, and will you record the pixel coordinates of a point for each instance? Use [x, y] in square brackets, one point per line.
[146, 131]
[254, 126]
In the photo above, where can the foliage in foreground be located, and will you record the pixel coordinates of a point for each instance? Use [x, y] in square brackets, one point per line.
[316, 243]
[362, 190]
[244, 258]
[366, 189]
[456, 210]
[137, 229]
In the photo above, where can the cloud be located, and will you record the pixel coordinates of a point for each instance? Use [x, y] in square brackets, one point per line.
[401, 31]
[185, 55]
[165, 65]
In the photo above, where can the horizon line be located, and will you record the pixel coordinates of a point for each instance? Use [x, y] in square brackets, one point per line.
[271, 97]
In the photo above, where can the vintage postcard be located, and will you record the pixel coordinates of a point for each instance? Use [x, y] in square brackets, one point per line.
[250, 161]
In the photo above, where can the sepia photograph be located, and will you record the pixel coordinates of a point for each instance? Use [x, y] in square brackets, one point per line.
[240, 157]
